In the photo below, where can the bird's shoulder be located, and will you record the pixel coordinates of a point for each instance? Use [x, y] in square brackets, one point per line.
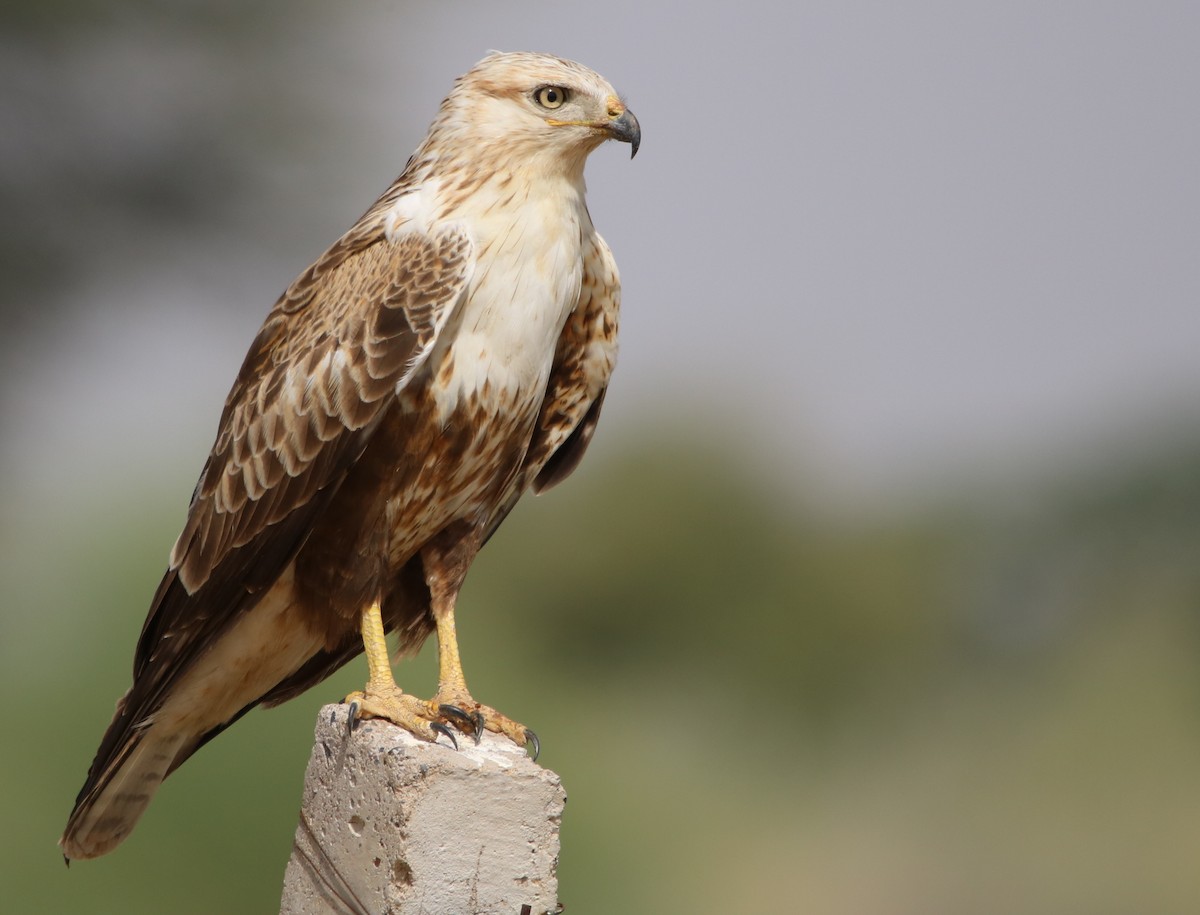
[343, 338]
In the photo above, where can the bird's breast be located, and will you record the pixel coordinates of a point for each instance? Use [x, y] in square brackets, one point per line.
[500, 342]
[465, 422]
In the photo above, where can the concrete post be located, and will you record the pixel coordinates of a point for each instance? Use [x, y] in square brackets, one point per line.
[390, 824]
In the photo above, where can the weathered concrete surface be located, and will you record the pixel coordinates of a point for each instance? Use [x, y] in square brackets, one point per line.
[390, 824]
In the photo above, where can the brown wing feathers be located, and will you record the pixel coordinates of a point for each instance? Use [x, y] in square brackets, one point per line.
[310, 392]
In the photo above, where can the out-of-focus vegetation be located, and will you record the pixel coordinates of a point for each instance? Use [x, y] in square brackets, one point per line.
[753, 706]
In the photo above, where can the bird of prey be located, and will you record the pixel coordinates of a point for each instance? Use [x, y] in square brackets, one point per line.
[448, 353]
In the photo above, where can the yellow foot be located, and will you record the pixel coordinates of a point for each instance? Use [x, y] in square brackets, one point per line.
[391, 704]
[473, 718]
[426, 720]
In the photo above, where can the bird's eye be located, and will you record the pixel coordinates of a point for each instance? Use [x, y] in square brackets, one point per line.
[551, 96]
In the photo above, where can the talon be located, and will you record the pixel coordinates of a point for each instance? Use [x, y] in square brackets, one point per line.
[532, 738]
[352, 721]
[464, 722]
[477, 720]
[438, 728]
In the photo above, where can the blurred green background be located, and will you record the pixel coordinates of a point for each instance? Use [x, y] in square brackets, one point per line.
[770, 678]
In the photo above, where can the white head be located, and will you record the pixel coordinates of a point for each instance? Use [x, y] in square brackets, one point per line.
[531, 110]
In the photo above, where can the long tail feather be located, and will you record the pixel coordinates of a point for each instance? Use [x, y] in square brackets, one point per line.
[107, 814]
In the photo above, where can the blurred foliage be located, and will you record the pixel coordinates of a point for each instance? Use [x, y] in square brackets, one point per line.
[753, 705]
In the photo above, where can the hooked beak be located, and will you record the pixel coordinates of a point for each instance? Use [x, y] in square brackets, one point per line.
[626, 129]
[619, 125]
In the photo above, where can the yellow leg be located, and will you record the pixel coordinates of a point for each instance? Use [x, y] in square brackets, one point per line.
[379, 667]
[383, 698]
[450, 671]
[453, 703]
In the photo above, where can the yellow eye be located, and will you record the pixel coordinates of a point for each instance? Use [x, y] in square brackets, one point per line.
[550, 96]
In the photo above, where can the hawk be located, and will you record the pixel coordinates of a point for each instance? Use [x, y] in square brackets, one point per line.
[448, 353]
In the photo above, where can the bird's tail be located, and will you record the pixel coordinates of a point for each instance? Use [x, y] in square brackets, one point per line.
[116, 796]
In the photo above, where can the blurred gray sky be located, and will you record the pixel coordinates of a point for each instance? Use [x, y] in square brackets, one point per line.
[881, 242]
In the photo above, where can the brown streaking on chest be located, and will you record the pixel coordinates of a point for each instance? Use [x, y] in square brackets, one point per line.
[418, 475]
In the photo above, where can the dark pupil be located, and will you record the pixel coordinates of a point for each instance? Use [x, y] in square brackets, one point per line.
[551, 96]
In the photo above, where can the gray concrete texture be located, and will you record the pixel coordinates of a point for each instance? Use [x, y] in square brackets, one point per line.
[390, 824]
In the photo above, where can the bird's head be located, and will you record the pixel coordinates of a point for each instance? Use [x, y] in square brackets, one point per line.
[537, 106]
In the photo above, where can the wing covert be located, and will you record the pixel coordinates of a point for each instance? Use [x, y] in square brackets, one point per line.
[583, 363]
[345, 336]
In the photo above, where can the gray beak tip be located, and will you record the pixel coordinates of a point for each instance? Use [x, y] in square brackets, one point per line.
[627, 129]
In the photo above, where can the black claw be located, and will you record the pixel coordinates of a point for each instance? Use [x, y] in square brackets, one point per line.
[352, 721]
[461, 719]
[438, 728]
[531, 737]
[477, 720]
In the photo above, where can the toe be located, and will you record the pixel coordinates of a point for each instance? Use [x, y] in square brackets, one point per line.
[438, 728]
[461, 719]
[401, 709]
